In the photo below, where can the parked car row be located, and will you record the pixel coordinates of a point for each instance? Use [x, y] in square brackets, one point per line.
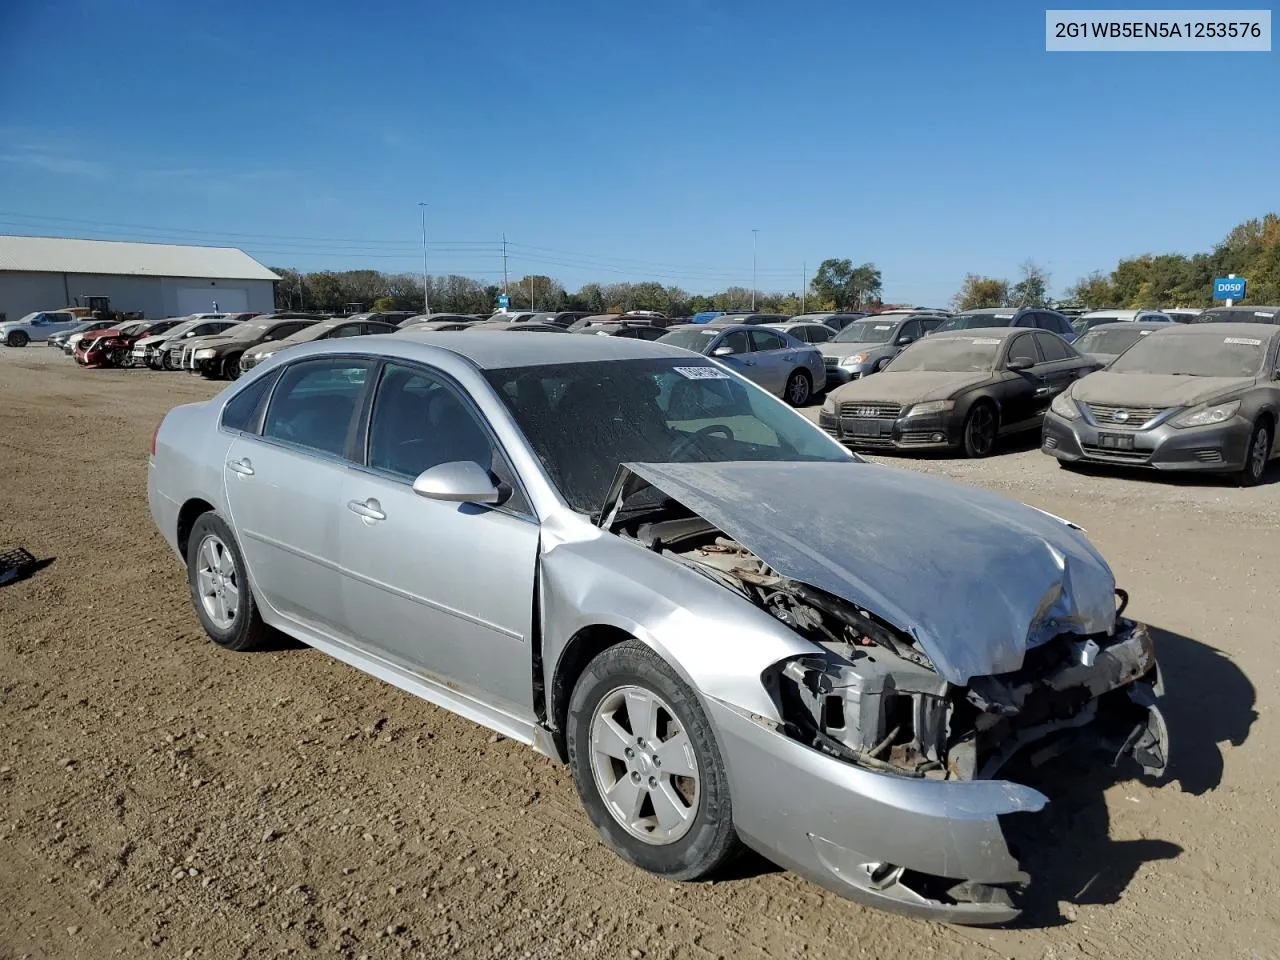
[612, 548]
[1201, 396]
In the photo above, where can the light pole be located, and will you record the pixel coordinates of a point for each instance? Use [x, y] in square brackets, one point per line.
[426, 281]
[755, 248]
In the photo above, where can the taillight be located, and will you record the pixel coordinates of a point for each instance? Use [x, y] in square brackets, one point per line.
[155, 433]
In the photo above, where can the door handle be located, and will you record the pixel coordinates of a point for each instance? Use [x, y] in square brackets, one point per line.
[241, 466]
[370, 509]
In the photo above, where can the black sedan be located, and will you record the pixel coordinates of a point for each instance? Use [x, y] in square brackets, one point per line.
[1195, 397]
[959, 389]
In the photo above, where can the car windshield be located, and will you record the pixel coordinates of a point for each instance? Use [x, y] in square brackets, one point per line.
[1192, 355]
[1109, 342]
[82, 326]
[584, 419]
[694, 338]
[865, 331]
[948, 355]
[970, 321]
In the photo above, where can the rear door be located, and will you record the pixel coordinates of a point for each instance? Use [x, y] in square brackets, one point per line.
[284, 488]
[1060, 366]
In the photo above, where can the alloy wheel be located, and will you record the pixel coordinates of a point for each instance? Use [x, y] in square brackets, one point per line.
[798, 390]
[218, 582]
[981, 429]
[1258, 454]
[644, 765]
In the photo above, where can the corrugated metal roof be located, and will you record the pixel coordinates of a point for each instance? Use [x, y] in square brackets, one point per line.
[114, 257]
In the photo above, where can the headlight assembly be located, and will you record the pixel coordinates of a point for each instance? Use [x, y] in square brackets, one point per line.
[1065, 407]
[206, 354]
[856, 360]
[931, 406]
[1204, 416]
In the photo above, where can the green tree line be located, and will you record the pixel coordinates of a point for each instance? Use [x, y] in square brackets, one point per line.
[837, 285]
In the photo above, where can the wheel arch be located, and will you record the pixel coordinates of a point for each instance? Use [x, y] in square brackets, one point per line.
[583, 647]
[188, 514]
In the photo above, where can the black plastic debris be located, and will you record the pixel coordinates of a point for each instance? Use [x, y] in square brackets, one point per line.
[16, 564]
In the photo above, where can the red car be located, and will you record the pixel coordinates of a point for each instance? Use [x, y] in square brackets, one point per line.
[110, 347]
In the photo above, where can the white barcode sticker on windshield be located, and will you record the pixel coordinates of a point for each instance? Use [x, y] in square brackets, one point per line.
[1243, 341]
[702, 373]
[1263, 313]
[985, 341]
[1143, 333]
[885, 326]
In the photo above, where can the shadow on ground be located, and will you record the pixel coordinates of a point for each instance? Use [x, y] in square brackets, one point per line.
[1067, 848]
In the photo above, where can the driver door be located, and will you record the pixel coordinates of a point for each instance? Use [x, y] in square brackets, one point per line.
[1020, 389]
[739, 360]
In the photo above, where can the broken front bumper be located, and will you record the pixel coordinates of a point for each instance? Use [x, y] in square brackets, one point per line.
[929, 847]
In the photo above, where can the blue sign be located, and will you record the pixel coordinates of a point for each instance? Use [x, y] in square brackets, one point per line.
[1228, 288]
[504, 301]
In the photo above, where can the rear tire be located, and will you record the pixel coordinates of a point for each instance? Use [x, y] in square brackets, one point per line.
[979, 433]
[1256, 455]
[220, 586]
[687, 832]
[799, 388]
[17, 339]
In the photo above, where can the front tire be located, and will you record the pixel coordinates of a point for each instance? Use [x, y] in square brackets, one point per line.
[1256, 455]
[979, 434]
[231, 367]
[799, 388]
[647, 767]
[220, 587]
[17, 339]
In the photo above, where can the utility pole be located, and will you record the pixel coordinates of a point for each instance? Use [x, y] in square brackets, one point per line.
[531, 306]
[804, 282]
[755, 246]
[1230, 276]
[426, 280]
[504, 264]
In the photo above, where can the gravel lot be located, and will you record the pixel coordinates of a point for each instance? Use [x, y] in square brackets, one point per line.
[160, 797]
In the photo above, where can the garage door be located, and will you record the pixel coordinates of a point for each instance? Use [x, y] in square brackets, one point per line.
[209, 299]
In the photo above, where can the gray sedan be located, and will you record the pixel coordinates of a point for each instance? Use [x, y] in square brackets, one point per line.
[590, 545]
[776, 361]
[866, 346]
[1196, 397]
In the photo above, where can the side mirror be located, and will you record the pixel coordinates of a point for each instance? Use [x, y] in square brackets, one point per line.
[725, 351]
[1276, 374]
[1020, 363]
[903, 341]
[462, 481]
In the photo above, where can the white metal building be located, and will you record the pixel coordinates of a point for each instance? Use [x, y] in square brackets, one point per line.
[157, 279]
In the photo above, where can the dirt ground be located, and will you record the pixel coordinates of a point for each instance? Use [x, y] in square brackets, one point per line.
[160, 797]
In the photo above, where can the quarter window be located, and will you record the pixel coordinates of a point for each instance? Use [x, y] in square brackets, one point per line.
[243, 411]
[315, 403]
[1054, 348]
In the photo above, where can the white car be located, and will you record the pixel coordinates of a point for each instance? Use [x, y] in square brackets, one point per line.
[1087, 321]
[36, 326]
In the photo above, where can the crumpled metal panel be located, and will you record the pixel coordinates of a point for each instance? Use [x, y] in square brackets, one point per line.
[975, 578]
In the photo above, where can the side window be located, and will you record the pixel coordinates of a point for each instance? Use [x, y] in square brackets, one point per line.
[1026, 320]
[767, 340]
[1024, 347]
[820, 334]
[910, 329]
[346, 330]
[1054, 348]
[419, 422]
[244, 410]
[800, 333]
[285, 330]
[315, 403]
[928, 326]
[736, 341]
[378, 327]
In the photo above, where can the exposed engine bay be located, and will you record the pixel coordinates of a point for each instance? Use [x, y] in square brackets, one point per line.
[870, 696]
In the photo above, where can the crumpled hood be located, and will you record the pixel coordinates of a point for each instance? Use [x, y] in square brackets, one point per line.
[975, 578]
[914, 386]
[98, 334]
[1154, 390]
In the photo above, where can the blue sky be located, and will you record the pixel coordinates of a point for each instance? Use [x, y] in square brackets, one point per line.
[626, 141]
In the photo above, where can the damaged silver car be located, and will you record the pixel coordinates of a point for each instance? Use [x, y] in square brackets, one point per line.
[611, 550]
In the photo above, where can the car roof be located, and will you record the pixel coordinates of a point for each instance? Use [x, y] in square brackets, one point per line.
[1114, 313]
[497, 352]
[1254, 331]
[1135, 325]
[985, 332]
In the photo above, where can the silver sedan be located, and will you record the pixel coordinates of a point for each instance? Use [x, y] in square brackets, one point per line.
[609, 549]
[775, 360]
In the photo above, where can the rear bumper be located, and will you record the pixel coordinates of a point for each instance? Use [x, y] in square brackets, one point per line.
[1220, 447]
